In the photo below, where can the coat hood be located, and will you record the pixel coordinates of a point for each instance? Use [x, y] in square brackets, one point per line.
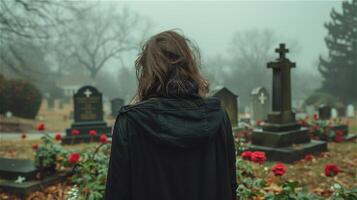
[181, 123]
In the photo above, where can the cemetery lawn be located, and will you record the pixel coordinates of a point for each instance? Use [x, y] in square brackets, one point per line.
[309, 173]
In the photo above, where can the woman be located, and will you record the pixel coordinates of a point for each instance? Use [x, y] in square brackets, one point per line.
[171, 143]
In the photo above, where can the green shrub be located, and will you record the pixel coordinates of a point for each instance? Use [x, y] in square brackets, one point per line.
[23, 99]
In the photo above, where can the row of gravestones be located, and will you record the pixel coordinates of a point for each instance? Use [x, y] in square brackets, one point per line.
[327, 112]
[260, 107]
[20, 176]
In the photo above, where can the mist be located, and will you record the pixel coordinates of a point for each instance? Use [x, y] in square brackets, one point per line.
[221, 30]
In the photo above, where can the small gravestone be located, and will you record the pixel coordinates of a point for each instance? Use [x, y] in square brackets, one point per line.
[341, 111]
[88, 115]
[260, 103]
[20, 177]
[281, 137]
[334, 113]
[229, 102]
[350, 111]
[116, 104]
[325, 112]
[13, 168]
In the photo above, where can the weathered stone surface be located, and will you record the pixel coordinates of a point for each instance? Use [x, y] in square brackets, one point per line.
[88, 115]
[291, 153]
[13, 168]
[282, 138]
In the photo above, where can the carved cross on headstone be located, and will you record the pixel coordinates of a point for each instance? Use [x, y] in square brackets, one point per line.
[262, 98]
[87, 93]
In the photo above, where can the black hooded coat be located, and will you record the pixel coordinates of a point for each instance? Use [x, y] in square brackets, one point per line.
[172, 149]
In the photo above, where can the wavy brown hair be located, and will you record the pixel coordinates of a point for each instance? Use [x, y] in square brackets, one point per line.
[168, 66]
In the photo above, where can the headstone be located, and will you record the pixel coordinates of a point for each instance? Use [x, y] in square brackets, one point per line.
[350, 111]
[334, 113]
[281, 137]
[116, 104]
[260, 103]
[88, 115]
[341, 111]
[229, 102]
[325, 112]
[13, 168]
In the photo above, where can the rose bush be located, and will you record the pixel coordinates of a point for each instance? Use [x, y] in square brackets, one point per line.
[323, 129]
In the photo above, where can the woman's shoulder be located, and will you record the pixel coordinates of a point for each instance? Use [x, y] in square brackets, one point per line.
[158, 103]
[141, 104]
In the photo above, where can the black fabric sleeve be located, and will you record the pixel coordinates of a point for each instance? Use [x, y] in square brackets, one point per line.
[231, 157]
[118, 178]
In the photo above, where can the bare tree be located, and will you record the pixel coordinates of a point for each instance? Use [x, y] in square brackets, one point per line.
[244, 67]
[33, 19]
[104, 34]
[27, 24]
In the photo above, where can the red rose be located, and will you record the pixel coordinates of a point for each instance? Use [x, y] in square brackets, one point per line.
[339, 136]
[279, 169]
[247, 155]
[316, 117]
[41, 127]
[258, 157]
[309, 157]
[75, 132]
[103, 138]
[92, 132]
[73, 158]
[331, 170]
[35, 146]
[316, 127]
[23, 135]
[58, 136]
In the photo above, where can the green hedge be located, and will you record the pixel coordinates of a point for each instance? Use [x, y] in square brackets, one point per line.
[22, 98]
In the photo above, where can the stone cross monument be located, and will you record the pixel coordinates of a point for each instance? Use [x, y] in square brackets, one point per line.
[281, 137]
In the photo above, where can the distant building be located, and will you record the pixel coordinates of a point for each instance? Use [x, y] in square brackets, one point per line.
[229, 101]
[72, 82]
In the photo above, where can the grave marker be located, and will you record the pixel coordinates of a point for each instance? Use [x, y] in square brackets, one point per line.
[229, 102]
[13, 168]
[334, 113]
[88, 115]
[350, 112]
[260, 103]
[325, 112]
[281, 137]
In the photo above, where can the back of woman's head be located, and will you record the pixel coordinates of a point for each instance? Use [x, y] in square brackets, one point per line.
[168, 66]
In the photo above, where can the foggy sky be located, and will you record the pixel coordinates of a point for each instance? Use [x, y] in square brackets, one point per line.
[212, 24]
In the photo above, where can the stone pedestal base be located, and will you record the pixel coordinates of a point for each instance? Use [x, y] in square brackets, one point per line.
[291, 153]
[84, 128]
[285, 142]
